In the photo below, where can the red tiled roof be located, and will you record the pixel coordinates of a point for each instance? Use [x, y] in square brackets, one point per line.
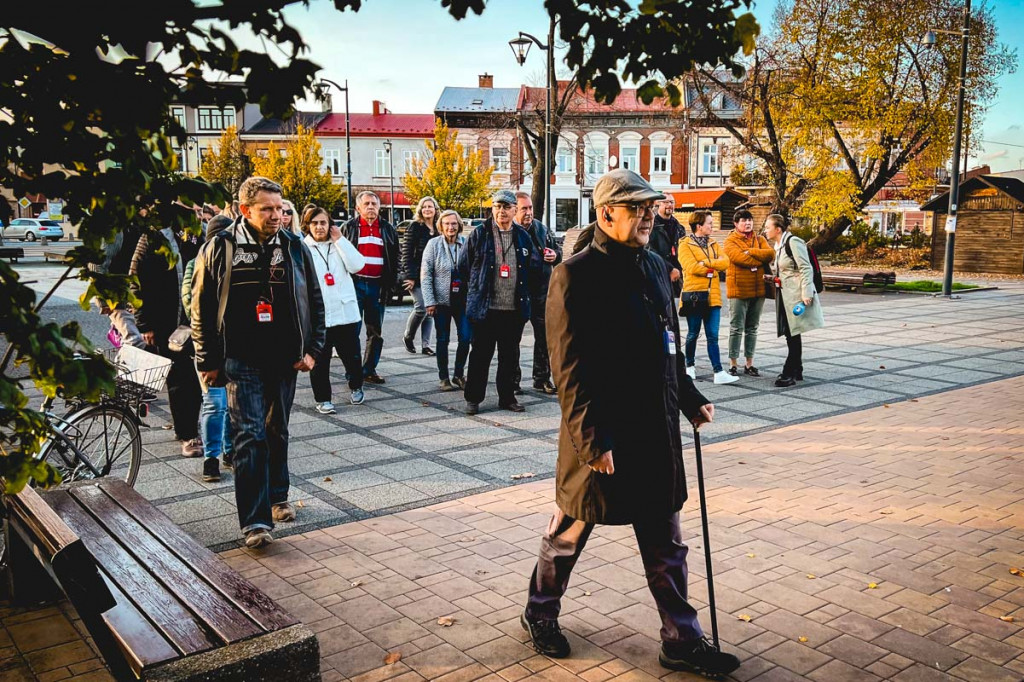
[584, 102]
[701, 198]
[384, 125]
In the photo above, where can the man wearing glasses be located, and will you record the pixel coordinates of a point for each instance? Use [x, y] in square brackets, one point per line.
[612, 328]
[497, 265]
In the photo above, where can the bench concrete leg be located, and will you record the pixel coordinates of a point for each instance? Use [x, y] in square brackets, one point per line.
[28, 583]
[292, 654]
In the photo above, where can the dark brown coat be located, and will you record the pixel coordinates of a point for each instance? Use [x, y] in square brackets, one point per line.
[608, 311]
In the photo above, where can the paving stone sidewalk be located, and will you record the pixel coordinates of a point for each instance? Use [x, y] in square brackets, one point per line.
[870, 545]
[410, 445]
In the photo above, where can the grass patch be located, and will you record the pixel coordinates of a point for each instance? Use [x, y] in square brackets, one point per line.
[929, 286]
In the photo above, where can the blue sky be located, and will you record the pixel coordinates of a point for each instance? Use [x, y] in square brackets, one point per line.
[404, 52]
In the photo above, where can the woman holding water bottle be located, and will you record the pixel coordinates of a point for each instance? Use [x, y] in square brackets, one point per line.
[797, 305]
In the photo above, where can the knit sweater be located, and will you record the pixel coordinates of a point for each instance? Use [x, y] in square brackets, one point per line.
[436, 270]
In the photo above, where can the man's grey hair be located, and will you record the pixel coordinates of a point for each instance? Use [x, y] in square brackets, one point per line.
[253, 186]
[523, 195]
[366, 192]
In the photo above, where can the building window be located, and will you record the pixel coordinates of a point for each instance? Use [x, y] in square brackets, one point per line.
[332, 161]
[709, 164]
[211, 118]
[178, 114]
[500, 159]
[596, 162]
[630, 158]
[566, 161]
[409, 156]
[659, 159]
[380, 163]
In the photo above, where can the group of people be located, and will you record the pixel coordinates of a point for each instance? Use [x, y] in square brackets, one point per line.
[262, 303]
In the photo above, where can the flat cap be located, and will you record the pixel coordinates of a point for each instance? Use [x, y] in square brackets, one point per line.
[622, 186]
[504, 196]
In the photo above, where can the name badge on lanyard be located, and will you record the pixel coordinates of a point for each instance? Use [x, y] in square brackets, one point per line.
[504, 271]
[670, 342]
[328, 279]
[456, 285]
[264, 311]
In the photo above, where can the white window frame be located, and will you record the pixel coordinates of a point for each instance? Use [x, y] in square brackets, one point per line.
[595, 155]
[568, 153]
[407, 157]
[178, 114]
[332, 161]
[631, 160]
[710, 160]
[380, 163]
[501, 159]
[661, 164]
[217, 119]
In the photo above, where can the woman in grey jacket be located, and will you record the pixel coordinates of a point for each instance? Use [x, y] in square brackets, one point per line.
[444, 297]
[795, 280]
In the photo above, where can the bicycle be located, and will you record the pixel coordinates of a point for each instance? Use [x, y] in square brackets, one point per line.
[93, 440]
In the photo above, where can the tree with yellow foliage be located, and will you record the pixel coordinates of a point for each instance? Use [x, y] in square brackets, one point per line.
[456, 178]
[226, 163]
[300, 171]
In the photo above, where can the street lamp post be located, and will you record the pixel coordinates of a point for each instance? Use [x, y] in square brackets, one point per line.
[954, 180]
[391, 180]
[348, 146]
[520, 48]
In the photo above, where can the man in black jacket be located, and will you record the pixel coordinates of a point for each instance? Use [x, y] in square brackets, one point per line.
[551, 255]
[665, 236]
[620, 450]
[257, 320]
[377, 240]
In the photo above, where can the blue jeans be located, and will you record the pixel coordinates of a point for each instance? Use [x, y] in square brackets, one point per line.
[443, 317]
[214, 425]
[259, 402]
[372, 312]
[710, 319]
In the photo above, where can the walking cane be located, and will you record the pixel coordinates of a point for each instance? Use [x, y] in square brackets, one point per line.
[707, 543]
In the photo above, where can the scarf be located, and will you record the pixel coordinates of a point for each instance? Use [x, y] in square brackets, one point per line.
[702, 242]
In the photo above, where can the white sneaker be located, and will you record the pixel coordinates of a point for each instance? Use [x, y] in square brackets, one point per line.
[325, 407]
[725, 378]
[691, 372]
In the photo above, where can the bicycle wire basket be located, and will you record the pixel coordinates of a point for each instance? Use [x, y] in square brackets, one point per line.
[140, 374]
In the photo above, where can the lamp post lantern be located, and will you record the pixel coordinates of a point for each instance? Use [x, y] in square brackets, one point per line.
[520, 48]
[929, 40]
[348, 147]
[391, 180]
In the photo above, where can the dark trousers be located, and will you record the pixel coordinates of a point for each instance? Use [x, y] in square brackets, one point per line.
[794, 365]
[372, 311]
[661, 550]
[259, 402]
[541, 367]
[443, 318]
[343, 338]
[183, 393]
[504, 329]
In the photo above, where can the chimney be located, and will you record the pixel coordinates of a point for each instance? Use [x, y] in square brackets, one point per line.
[486, 80]
[379, 108]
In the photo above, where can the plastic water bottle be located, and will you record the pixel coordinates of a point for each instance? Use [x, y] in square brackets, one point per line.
[799, 308]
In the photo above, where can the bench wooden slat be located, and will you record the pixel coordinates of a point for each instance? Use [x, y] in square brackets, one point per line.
[34, 512]
[172, 619]
[246, 596]
[138, 641]
[189, 586]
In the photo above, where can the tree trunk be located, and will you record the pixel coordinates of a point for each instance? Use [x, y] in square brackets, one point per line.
[827, 237]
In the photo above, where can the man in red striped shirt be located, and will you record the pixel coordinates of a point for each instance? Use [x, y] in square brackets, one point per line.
[377, 241]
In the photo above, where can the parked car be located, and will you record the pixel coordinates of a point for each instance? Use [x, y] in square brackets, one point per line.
[31, 229]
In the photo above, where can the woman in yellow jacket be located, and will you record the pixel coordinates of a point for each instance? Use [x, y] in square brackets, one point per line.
[702, 259]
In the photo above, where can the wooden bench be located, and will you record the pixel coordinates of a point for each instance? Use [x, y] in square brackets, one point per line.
[158, 605]
[857, 279]
[12, 252]
[60, 256]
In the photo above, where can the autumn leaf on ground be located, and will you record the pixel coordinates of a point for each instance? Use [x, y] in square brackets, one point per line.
[1006, 619]
[528, 474]
[1015, 571]
[914, 400]
[586, 593]
[744, 617]
[446, 621]
[357, 583]
[881, 367]
[886, 405]
[872, 586]
[424, 403]
[300, 504]
[393, 657]
[801, 639]
[811, 576]
[327, 479]
[886, 511]
[466, 539]
[751, 555]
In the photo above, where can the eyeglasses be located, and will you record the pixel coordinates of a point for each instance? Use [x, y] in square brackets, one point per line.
[637, 209]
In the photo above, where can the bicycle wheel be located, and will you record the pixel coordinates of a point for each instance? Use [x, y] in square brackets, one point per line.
[99, 440]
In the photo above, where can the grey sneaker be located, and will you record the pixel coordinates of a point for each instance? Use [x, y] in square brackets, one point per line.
[260, 537]
[283, 512]
[446, 385]
[326, 407]
[358, 397]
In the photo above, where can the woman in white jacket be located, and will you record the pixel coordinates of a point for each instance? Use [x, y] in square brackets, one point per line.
[336, 262]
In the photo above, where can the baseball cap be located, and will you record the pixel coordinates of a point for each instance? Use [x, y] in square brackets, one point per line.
[623, 186]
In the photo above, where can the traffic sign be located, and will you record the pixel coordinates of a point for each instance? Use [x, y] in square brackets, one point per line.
[24, 202]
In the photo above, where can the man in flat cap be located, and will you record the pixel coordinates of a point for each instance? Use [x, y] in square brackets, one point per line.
[496, 267]
[613, 329]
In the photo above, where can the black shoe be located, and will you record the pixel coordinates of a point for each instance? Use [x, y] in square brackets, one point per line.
[211, 470]
[410, 346]
[697, 657]
[374, 378]
[227, 461]
[513, 406]
[734, 371]
[472, 408]
[458, 382]
[784, 381]
[799, 376]
[428, 351]
[518, 390]
[545, 387]
[751, 371]
[546, 637]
